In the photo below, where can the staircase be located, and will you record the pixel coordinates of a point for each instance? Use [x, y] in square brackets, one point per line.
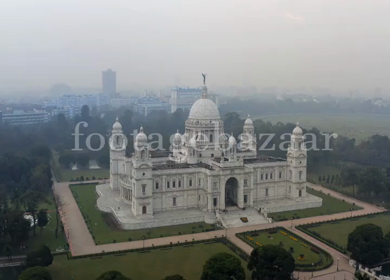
[232, 219]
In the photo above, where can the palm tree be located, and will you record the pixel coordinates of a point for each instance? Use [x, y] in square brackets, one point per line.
[361, 276]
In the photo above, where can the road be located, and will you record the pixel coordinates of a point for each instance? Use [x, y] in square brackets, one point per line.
[81, 242]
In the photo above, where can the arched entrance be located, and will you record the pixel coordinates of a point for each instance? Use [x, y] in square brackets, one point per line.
[231, 191]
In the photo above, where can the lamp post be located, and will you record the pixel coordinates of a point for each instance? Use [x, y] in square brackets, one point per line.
[226, 232]
[292, 221]
[351, 212]
[312, 272]
[143, 242]
[338, 264]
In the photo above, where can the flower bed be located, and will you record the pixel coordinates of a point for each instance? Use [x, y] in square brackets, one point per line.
[318, 257]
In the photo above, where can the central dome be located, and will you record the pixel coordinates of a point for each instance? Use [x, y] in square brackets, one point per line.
[204, 108]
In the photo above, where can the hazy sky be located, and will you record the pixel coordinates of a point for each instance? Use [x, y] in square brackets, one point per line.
[313, 43]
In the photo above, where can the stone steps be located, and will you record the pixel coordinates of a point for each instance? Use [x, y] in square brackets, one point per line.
[232, 218]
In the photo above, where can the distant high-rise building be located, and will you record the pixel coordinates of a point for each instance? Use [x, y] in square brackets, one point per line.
[109, 82]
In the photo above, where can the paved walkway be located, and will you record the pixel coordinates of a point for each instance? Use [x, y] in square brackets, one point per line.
[81, 242]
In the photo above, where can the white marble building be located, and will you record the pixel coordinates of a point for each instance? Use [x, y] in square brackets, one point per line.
[206, 173]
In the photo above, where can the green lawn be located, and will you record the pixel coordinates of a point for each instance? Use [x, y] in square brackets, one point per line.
[330, 205]
[86, 199]
[265, 238]
[67, 174]
[338, 231]
[358, 126]
[154, 265]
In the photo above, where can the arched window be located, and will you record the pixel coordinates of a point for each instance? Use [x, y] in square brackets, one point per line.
[211, 138]
[117, 140]
[143, 209]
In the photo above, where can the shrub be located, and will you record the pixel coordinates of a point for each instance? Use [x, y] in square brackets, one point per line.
[315, 250]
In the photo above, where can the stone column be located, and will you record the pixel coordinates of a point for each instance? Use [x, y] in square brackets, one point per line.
[240, 195]
[222, 184]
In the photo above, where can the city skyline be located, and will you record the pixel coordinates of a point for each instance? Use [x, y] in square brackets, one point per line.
[330, 44]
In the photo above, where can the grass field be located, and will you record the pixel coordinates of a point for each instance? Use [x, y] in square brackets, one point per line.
[339, 231]
[265, 238]
[66, 175]
[154, 265]
[86, 199]
[358, 126]
[330, 205]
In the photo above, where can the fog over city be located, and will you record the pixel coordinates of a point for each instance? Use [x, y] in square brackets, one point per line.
[302, 43]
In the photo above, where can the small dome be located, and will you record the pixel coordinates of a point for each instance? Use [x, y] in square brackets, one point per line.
[117, 125]
[204, 108]
[223, 138]
[248, 121]
[141, 137]
[297, 130]
[232, 141]
[177, 138]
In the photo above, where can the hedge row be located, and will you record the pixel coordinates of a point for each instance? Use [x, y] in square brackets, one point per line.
[223, 240]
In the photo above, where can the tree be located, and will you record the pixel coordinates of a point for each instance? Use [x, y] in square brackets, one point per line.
[367, 244]
[8, 251]
[350, 177]
[40, 257]
[319, 178]
[112, 275]
[104, 159]
[42, 219]
[82, 160]
[66, 159]
[328, 179]
[223, 266]
[361, 276]
[174, 277]
[271, 262]
[332, 179]
[35, 273]
[33, 199]
[373, 180]
[323, 178]
[41, 151]
[16, 198]
[16, 226]
[85, 113]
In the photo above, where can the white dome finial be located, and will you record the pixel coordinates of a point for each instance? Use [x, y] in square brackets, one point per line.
[117, 126]
[297, 130]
